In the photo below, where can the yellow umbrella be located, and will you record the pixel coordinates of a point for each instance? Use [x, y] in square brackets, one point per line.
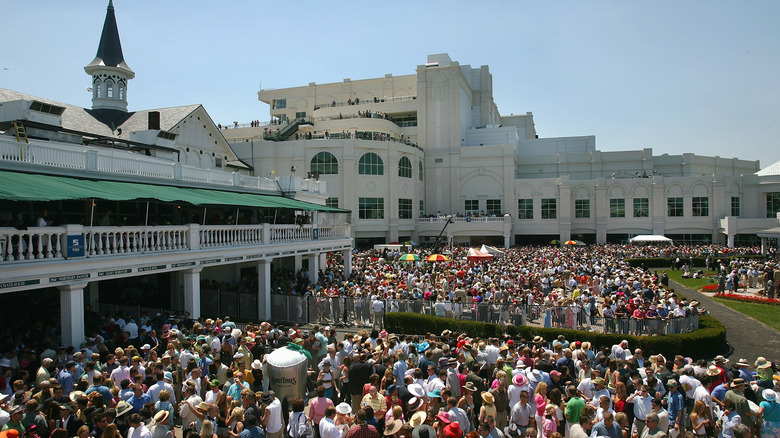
[437, 258]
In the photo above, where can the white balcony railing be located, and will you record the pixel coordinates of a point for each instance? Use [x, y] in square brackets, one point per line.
[430, 220]
[115, 162]
[47, 243]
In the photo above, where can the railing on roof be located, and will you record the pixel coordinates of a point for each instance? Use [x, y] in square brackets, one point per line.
[46, 243]
[115, 162]
[361, 102]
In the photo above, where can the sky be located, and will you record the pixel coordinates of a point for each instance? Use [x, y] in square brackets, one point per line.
[675, 76]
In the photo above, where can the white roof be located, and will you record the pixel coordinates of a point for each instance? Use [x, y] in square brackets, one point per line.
[651, 238]
[772, 170]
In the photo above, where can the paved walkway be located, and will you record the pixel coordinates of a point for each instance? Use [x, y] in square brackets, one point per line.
[749, 337]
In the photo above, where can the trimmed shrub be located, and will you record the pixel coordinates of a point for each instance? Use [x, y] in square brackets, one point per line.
[650, 262]
[709, 340]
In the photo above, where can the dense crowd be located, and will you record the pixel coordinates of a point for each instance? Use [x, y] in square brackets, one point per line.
[158, 375]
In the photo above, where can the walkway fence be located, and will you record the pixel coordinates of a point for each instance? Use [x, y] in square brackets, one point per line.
[359, 312]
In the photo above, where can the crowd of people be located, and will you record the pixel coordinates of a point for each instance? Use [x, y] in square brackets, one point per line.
[157, 375]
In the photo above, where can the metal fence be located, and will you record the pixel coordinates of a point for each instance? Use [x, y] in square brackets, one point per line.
[361, 312]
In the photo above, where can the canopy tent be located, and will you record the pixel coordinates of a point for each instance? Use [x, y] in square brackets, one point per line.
[652, 238]
[476, 255]
[495, 252]
[17, 186]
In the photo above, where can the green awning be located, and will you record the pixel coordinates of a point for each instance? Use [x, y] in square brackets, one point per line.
[17, 186]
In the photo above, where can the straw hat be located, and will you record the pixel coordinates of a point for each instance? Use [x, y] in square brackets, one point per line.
[418, 418]
[393, 426]
[488, 398]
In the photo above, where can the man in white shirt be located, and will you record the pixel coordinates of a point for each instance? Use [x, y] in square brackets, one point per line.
[642, 402]
[121, 372]
[328, 428]
[154, 391]
[272, 420]
[619, 350]
[137, 428]
[189, 417]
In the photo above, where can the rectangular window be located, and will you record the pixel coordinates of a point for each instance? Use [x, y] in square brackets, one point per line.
[701, 206]
[300, 114]
[549, 208]
[641, 207]
[422, 208]
[582, 208]
[404, 208]
[772, 204]
[471, 206]
[371, 208]
[280, 104]
[617, 208]
[735, 206]
[674, 207]
[525, 208]
[493, 207]
[332, 202]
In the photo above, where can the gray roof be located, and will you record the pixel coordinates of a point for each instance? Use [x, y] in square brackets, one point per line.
[100, 122]
[109, 51]
[772, 170]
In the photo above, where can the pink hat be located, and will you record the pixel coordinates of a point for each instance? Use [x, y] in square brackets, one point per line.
[555, 373]
[444, 417]
[519, 380]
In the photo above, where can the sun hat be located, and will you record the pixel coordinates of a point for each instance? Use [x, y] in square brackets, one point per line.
[423, 431]
[444, 417]
[769, 395]
[267, 397]
[488, 398]
[418, 418]
[713, 370]
[470, 386]
[161, 416]
[743, 362]
[519, 380]
[393, 426]
[550, 409]
[256, 364]
[599, 381]
[436, 393]
[453, 430]
[415, 403]
[671, 382]
[417, 390]
[122, 408]
[344, 408]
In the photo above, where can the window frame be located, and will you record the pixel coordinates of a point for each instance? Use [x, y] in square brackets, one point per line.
[404, 167]
[525, 209]
[617, 207]
[675, 204]
[582, 208]
[700, 206]
[367, 205]
[641, 205]
[373, 167]
[549, 208]
[491, 210]
[326, 167]
[405, 208]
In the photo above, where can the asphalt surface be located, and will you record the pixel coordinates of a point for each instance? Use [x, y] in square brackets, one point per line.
[749, 337]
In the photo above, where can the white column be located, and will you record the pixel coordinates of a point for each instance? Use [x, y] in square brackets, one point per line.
[730, 240]
[763, 245]
[314, 267]
[347, 256]
[264, 290]
[191, 278]
[72, 313]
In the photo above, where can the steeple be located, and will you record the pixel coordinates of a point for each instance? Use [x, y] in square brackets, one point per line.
[109, 71]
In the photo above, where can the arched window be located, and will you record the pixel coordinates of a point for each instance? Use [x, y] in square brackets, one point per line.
[109, 89]
[371, 164]
[324, 163]
[404, 168]
[420, 166]
[98, 93]
[121, 92]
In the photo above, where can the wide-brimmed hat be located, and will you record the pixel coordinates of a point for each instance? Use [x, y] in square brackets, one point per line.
[75, 395]
[737, 382]
[719, 358]
[418, 418]
[436, 393]
[470, 386]
[417, 390]
[344, 408]
[488, 398]
[538, 339]
[599, 381]
[743, 362]
[453, 430]
[203, 406]
[122, 408]
[550, 409]
[519, 380]
[256, 364]
[21, 397]
[444, 417]
[769, 395]
[415, 403]
[423, 431]
[422, 346]
[393, 426]
[713, 370]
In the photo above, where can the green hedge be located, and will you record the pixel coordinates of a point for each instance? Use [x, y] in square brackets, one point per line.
[700, 262]
[708, 341]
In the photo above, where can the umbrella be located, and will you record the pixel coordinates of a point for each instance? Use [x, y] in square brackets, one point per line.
[555, 242]
[580, 243]
[409, 258]
[570, 242]
[437, 258]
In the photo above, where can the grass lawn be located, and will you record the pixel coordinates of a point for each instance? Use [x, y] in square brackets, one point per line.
[694, 284]
[768, 314]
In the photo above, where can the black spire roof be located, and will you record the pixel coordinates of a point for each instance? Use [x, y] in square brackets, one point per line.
[109, 51]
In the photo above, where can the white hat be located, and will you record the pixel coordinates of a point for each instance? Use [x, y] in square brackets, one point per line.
[146, 347]
[238, 355]
[769, 395]
[344, 408]
[256, 365]
[416, 390]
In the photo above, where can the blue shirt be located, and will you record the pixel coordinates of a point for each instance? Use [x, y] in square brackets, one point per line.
[719, 391]
[675, 406]
[138, 402]
[65, 379]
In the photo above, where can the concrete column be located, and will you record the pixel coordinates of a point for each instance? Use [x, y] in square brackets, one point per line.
[93, 296]
[763, 245]
[730, 238]
[347, 256]
[191, 278]
[72, 313]
[264, 290]
[299, 263]
[314, 267]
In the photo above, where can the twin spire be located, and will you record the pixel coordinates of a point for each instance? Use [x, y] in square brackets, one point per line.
[109, 71]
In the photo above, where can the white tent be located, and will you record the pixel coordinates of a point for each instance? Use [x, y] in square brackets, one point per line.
[652, 239]
[477, 255]
[495, 252]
